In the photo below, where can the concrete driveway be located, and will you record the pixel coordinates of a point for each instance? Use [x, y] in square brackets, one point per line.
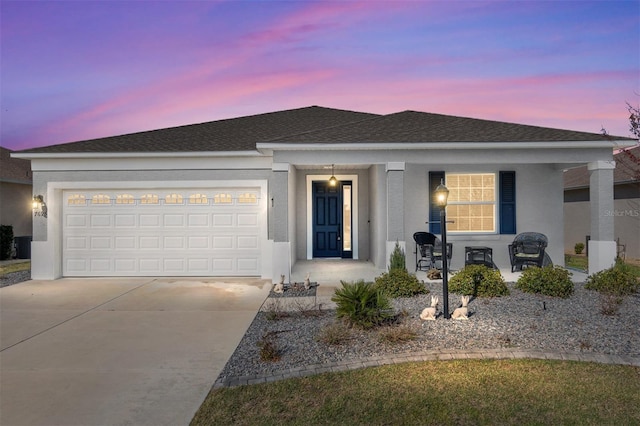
[134, 351]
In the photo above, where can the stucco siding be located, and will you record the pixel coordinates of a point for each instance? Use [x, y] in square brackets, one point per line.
[538, 208]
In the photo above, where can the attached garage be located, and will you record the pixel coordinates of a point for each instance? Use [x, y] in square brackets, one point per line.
[162, 232]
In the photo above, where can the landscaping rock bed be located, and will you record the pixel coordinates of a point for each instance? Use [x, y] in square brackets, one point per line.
[520, 320]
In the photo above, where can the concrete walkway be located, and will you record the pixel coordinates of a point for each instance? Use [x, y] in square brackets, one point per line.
[138, 351]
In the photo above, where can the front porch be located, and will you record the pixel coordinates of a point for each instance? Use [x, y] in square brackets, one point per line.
[329, 272]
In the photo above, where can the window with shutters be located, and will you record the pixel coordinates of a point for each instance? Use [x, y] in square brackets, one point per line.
[472, 202]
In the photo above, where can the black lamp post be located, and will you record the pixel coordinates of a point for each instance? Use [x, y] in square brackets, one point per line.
[441, 195]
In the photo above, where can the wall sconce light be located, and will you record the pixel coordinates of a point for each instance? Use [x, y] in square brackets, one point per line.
[332, 180]
[39, 206]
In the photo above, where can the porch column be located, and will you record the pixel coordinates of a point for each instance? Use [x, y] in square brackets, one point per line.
[278, 221]
[602, 247]
[395, 207]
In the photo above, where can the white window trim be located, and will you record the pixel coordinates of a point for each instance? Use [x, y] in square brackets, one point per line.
[495, 203]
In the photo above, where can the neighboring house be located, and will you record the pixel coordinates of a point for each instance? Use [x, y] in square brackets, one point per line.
[15, 194]
[249, 196]
[626, 205]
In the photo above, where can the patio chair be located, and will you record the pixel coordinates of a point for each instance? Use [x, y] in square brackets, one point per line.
[425, 242]
[528, 248]
[437, 254]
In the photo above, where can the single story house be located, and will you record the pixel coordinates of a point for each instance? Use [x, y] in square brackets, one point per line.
[15, 194]
[250, 196]
[626, 204]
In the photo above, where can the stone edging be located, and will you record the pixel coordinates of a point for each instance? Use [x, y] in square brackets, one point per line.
[435, 355]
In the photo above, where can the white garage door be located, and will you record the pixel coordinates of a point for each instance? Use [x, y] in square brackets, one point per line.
[171, 232]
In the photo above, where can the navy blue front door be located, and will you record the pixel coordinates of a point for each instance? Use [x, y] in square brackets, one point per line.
[327, 220]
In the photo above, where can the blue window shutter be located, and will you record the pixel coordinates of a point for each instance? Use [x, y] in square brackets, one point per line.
[507, 202]
[434, 211]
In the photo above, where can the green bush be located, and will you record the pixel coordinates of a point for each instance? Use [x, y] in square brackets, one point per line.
[6, 241]
[578, 248]
[362, 304]
[617, 280]
[549, 280]
[479, 281]
[397, 259]
[400, 283]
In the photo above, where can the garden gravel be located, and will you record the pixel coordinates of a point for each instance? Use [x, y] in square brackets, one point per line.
[14, 278]
[517, 321]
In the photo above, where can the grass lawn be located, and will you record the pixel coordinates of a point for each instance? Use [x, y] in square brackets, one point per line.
[438, 393]
[15, 267]
[581, 262]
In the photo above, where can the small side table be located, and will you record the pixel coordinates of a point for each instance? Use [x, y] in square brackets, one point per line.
[478, 255]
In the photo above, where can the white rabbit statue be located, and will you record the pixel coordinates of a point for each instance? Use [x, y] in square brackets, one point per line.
[462, 312]
[430, 313]
[307, 281]
[279, 288]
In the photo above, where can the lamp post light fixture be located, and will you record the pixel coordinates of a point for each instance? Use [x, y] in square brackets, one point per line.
[441, 195]
[332, 180]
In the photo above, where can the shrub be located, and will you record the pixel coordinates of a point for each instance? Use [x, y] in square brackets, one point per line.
[334, 334]
[578, 248]
[362, 304]
[549, 280]
[397, 259]
[400, 283]
[618, 280]
[480, 281]
[397, 334]
[6, 241]
[269, 350]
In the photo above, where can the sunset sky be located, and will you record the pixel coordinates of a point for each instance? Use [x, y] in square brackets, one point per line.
[74, 70]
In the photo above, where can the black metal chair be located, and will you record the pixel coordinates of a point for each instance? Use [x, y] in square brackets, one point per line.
[437, 254]
[528, 248]
[425, 241]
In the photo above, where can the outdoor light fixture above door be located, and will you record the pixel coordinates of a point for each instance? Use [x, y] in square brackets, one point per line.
[332, 180]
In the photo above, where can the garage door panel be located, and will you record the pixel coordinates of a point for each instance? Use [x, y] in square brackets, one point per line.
[173, 220]
[100, 221]
[144, 234]
[76, 243]
[129, 265]
[101, 243]
[125, 220]
[173, 242]
[248, 220]
[76, 221]
[149, 220]
[124, 242]
[198, 242]
[198, 220]
[222, 220]
[147, 242]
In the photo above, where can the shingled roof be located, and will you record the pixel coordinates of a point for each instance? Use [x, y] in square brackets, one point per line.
[627, 170]
[235, 134]
[421, 127]
[14, 170]
[316, 124]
